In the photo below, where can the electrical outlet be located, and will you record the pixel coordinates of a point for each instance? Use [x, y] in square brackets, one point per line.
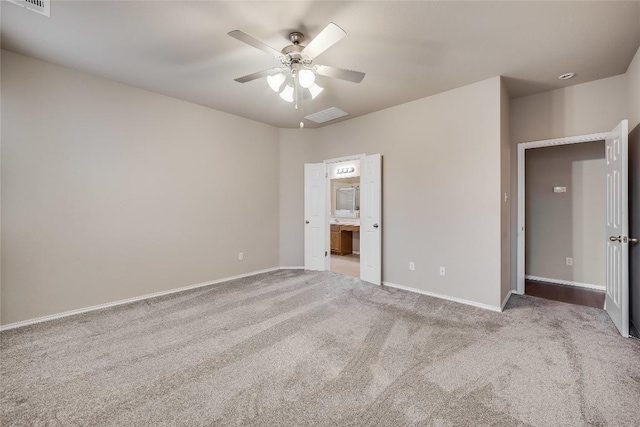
[412, 266]
[241, 256]
[443, 271]
[569, 261]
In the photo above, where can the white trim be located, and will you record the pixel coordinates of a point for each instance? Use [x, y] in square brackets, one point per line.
[566, 283]
[355, 253]
[441, 296]
[520, 237]
[520, 224]
[295, 267]
[130, 300]
[506, 300]
[601, 136]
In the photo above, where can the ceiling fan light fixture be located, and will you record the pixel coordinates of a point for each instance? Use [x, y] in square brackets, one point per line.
[306, 78]
[315, 90]
[287, 93]
[275, 81]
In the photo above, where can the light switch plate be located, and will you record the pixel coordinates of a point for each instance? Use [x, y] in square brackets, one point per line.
[559, 189]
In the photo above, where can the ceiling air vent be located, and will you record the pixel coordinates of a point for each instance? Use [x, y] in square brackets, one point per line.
[43, 7]
[327, 115]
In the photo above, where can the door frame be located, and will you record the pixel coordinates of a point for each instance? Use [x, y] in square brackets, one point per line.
[522, 146]
[327, 162]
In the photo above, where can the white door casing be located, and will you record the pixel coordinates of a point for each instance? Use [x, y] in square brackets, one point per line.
[370, 219]
[315, 216]
[617, 262]
[520, 235]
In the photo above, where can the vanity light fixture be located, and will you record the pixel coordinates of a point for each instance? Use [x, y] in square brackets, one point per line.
[346, 170]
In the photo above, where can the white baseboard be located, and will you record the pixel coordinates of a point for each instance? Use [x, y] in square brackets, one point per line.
[355, 253]
[441, 296]
[506, 300]
[296, 267]
[566, 283]
[133, 299]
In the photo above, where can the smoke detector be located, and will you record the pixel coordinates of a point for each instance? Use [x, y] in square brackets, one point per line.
[43, 7]
[567, 76]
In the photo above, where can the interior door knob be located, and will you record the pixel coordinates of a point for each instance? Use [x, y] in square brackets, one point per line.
[633, 240]
[306, 222]
[375, 225]
[615, 238]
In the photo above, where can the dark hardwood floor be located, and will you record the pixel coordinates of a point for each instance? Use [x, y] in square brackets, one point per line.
[570, 294]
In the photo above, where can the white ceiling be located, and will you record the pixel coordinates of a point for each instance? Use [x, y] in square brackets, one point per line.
[408, 50]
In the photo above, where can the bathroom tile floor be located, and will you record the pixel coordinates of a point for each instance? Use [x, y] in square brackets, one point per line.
[349, 265]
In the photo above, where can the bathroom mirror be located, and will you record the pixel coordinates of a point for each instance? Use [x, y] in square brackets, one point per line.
[345, 200]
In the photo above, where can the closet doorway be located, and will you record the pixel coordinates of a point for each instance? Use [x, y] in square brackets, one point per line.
[616, 222]
[565, 212]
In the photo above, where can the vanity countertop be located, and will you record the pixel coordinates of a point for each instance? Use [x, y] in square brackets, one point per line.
[345, 221]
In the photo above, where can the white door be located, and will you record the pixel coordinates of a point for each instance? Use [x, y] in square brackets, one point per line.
[617, 279]
[315, 216]
[370, 215]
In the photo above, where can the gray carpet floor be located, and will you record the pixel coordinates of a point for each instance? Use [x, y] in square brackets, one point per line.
[293, 348]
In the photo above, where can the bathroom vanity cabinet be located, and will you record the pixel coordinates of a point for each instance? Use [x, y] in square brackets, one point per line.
[342, 238]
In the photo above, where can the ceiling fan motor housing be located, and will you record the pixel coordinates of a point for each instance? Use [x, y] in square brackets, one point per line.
[292, 54]
[296, 37]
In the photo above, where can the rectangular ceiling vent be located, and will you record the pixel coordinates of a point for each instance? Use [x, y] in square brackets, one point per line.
[43, 7]
[327, 115]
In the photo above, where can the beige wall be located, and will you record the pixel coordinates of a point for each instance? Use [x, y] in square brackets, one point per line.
[111, 192]
[296, 149]
[505, 181]
[441, 188]
[571, 224]
[633, 91]
[582, 109]
[633, 82]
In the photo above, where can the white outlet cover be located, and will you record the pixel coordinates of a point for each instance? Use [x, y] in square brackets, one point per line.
[443, 271]
[559, 189]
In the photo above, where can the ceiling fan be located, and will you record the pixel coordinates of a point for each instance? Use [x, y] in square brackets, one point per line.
[298, 61]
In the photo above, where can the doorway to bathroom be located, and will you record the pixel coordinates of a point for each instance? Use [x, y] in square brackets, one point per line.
[344, 218]
[351, 215]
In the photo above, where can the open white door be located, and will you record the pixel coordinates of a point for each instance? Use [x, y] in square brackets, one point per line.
[617, 271]
[370, 224]
[315, 216]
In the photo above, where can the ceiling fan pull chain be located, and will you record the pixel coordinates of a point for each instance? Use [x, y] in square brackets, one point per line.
[302, 110]
[295, 86]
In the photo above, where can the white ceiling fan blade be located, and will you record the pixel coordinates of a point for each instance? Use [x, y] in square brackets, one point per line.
[340, 73]
[246, 38]
[259, 74]
[330, 35]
